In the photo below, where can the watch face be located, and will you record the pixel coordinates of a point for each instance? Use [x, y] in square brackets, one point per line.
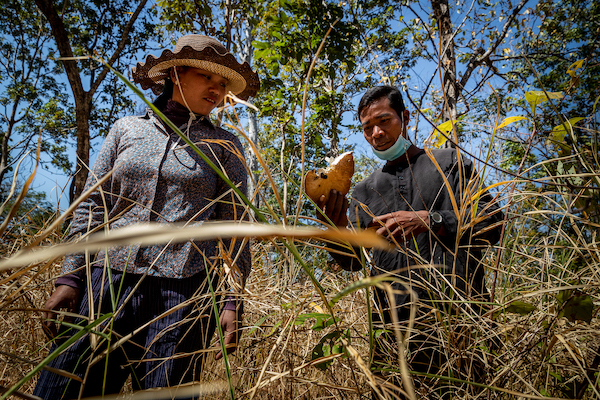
[436, 217]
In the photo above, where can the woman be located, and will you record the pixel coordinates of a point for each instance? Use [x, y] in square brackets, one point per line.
[159, 294]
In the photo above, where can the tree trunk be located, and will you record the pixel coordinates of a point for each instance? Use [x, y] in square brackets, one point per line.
[4, 158]
[441, 11]
[82, 114]
[83, 99]
[251, 160]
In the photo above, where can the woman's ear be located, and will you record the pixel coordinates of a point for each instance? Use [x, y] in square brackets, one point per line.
[174, 76]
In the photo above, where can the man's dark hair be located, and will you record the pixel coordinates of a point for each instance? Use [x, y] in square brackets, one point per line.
[379, 92]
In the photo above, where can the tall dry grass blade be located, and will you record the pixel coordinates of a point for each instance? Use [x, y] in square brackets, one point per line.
[262, 162]
[363, 367]
[193, 390]
[577, 360]
[21, 197]
[21, 395]
[13, 185]
[148, 234]
[408, 385]
[252, 392]
[61, 372]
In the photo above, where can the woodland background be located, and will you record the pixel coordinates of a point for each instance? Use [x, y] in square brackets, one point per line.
[514, 85]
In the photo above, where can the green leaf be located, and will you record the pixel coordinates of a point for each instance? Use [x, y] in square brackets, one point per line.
[595, 104]
[259, 323]
[260, 45]
[439, 135]
[556, 376]
[575, 305]
[559, 133]
[517, 307]
[274, 329]
[537, 97]
[322, 320]
[302, 318]
[520, 307]
[574, 67]
[328, 345]
[510, 120]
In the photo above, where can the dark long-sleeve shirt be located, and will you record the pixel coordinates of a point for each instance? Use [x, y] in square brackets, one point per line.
[417, 184]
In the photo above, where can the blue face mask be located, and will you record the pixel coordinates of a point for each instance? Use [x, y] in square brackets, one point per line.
[395, 151]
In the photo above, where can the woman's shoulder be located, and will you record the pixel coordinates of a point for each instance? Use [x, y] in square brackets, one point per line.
[131, 124]
[225, 134]
[217, 133]
[133, 120]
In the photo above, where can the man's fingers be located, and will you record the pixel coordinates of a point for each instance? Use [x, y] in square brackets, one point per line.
[335, 208]
[321, 205]
[332, 202]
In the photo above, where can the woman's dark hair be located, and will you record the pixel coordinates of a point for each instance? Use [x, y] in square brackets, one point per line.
[378, 92]
[166, 95]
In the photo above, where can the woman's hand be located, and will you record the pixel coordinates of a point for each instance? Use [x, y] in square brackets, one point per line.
[65, 297]
[401, 224]
[229, 326]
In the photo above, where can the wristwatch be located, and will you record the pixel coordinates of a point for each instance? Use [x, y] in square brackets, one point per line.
[435, 219]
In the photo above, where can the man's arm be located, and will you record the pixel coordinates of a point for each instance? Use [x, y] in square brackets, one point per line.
[336, 209]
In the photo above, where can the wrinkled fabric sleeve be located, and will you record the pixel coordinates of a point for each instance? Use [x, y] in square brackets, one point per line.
[350, 258]
[91, 212]
[231, 208]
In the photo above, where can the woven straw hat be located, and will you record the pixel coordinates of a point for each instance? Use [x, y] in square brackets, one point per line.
[202, 52]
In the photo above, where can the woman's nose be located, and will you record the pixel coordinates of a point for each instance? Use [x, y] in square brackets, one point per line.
[212, 86]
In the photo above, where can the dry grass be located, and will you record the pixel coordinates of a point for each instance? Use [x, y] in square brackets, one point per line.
[514, 356]
[526, 344]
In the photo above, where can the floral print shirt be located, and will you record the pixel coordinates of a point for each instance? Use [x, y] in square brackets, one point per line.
[158, 178]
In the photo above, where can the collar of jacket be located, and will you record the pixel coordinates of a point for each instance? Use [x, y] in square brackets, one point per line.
[392, 167]
[151, 115]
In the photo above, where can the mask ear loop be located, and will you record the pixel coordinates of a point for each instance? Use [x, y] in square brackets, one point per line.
[192, 115]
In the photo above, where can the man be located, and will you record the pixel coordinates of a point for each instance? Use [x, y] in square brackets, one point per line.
[430, 207]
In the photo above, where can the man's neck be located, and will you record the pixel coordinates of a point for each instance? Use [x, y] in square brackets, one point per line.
[404, 158]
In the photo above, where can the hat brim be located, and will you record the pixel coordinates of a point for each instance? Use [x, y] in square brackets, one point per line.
[151, 74]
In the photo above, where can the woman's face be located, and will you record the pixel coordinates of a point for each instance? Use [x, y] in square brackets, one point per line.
[203, 90]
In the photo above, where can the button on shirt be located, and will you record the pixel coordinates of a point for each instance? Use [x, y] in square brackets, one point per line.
[158, 178]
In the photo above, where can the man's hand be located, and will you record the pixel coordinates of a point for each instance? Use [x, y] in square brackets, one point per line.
[401, 224]
[65, 297]
[229, 325]
[335, 209]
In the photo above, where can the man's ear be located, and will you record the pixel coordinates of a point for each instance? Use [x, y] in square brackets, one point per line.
[405, 117]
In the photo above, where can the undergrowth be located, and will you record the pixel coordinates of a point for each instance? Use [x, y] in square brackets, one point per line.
[307, 331]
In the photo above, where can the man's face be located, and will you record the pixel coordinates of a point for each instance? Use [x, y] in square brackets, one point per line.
[381, 125]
